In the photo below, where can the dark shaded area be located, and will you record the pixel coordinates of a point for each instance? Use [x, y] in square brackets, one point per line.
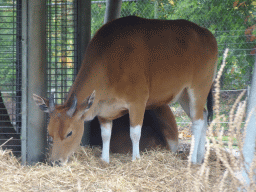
[7, 131]
[151, 136]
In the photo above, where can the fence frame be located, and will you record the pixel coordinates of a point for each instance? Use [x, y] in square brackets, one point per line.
[34, 80]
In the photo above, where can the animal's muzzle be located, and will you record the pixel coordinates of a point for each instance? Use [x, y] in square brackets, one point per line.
[56, 163]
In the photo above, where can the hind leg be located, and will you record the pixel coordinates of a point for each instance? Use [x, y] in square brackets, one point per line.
[202, 141]
[136, 115]
[193, 101]
[168, 126]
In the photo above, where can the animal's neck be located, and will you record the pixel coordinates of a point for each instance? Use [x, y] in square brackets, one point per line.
[86, 82]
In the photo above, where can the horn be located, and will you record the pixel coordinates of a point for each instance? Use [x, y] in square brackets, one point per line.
[51, 103]
[72, 109]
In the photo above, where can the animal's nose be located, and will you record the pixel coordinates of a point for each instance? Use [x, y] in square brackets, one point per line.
[56, 163]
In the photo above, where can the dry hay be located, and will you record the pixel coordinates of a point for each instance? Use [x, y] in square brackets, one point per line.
[157, 170]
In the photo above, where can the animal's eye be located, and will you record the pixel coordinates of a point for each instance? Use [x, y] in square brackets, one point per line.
[69, 134]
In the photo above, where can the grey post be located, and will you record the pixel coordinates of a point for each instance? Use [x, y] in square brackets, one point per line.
[249, 140]
[34, 80]
[113, 10]
[83, 30]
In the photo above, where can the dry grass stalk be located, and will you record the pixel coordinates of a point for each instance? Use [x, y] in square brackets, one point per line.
[232, 164]
[218, 117]
[235, 122]
[233, 125]
[217, 99]
[232, 111]
[201, 177]
[6, 142]
[217, 84]
[221, 186]
[190, 154]
[237, 134]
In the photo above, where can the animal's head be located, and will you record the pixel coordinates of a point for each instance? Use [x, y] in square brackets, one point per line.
[66, 124]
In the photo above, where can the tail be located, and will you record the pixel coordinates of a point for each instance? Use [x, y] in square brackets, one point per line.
[210, 106]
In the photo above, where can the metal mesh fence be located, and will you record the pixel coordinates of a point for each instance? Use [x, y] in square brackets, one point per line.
[61, 46]
[10, 74]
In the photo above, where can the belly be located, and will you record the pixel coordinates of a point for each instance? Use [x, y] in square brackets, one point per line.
[164, 98]
[115, 115]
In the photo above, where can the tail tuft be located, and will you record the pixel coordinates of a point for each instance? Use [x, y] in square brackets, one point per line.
[210, 106]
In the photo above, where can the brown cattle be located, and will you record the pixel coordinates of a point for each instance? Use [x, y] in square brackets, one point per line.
[133, 64]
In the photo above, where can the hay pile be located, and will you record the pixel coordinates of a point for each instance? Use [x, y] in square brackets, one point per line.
[158, 170]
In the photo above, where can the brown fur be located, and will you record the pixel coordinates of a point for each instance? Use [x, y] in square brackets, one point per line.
[135, 64]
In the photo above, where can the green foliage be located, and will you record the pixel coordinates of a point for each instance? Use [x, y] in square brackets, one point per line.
[98, 13]
[7, 51]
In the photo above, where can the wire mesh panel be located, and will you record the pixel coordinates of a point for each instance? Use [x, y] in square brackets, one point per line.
[10, 74]
[61, 46]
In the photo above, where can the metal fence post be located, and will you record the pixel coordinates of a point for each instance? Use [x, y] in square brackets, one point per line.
[34, 80]
[83, 29]
[24, 84]
[249, 140]
[113, 10]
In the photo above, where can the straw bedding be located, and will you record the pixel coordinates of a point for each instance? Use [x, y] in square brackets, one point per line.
[157, 170]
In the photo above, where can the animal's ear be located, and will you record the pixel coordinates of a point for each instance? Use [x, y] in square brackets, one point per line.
[72, 109]
[45, 105]
[87, 103]
[42, 103]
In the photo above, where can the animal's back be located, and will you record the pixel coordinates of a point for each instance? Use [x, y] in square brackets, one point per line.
[157, 57]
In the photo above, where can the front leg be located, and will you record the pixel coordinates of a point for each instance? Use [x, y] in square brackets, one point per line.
[106, 128]
[135, 133]
[136, 113]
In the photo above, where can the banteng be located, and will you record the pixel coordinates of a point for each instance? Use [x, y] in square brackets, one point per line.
[133, 64]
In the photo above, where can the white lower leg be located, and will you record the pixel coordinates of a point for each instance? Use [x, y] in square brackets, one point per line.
[197, 128]
[135, 133]
[173, 145]
[201, 146]
[106, 135]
